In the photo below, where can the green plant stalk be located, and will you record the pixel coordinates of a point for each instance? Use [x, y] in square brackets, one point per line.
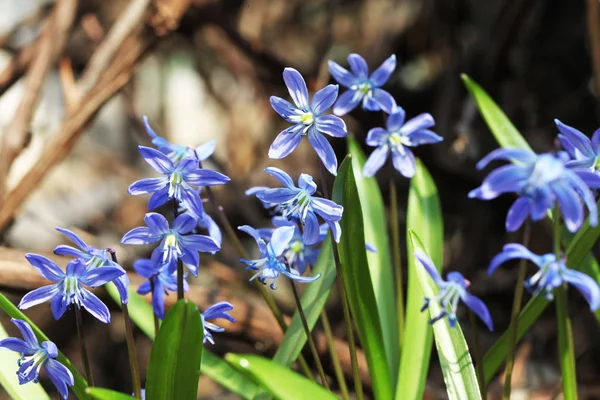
[261, 288]
[395, 228]
[514, 319]
[477, 354]
[309, 339]
[566, 349]
[84, 355]
[179, 262]
[337, 366]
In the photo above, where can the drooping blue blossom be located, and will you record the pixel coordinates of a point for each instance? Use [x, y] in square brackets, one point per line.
[362, 87]
[396, 139]
[93, 258]
[35, 356]
[270, 264]
[451, 291]
[308, 119]
[178, 152]
[68, 287]
[178, 182]
[162, 278]
[584, 153]
[219, 310]
[540, 181]
[552, 274]
[176, 242]
[299, 203]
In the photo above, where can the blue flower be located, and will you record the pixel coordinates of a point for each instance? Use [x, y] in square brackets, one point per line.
[219, 310]
[161, 278]
[177, 181]
[451, 291]
[176, 243]
[585, 153]
[539, 181]
[307, 119]
[93, 258]
[178, 152]
[363, 87]
[552, 273]
[34, 357]
[271, 264]
[68, 288]
[299, 203]
[396, 139]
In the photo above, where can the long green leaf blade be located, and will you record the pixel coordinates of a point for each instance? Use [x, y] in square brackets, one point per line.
[80, 383]
[174, 366]
[357, 280]
[280, 382]
[107, 394]
[424, 217]
[382, 277]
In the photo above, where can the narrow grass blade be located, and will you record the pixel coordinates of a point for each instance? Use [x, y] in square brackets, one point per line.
[107, 394]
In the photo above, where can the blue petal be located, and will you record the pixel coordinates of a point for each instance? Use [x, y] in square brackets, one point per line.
[327, 209]
[570, 205]
[377, 137]
[297, 87]
[596, 141]
[140, 235]
[26, 332]
[340, 74]
[324, 99]
[505, 179]
[587, 163]
[586, 285]
[122, 285]
[58, 307]
[38, 296]
[286, 142]
[284, 108]
[202, 243]
[18, 345]
[156, 223]
[94, 306]
[184, 223]
[213, 229]
[381, 75]
[578, 139]
[252, 232]
[347, 102]
[206, 177]
[219, 310]
[424, 136]
[206, 150]
[191, 259]
[144, 288]
[385, 100]
[376, 160]
[277, 195]
[158, 299]
[157, 160]
[60, 376]
[510, 252]
[358, 65]
[422, 121]
[429, 267]
[591, 179]
[542, 201]
[336, 230]
[509, 154]
[190, 200]
[149, 129]
[568, 146]
[323, 150]
[147, 185]
[158, 198]
[294, 275]
[64, 250]
[311, 229]
[280, 239]
[305, 182]
[478, 308]
[517, 214]
[144, 267]
[405, 163]
[76, 239]
[45, 266]
[281, 176]
[396, 120]
[331, 125]
[588, 198]
[99, 276]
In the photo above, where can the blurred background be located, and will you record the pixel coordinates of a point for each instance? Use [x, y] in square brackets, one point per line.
[77, 77]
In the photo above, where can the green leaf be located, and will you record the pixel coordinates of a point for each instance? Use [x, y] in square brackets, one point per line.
[313, 300]
[80, 383]
[107, 394]
[216, 368]
[455, 360]
[357, 280]
[280, 382]
[174, 366]
[382, 276]
[424, 217]
[8, 377]
[566, 348]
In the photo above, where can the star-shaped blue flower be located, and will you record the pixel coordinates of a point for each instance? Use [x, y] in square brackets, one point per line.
[219, 310]
[68, 288]
[540, 181]
[308, 119]
[34, 357]
[585, 153]
[176, 242]
[362, 87]
[396, 139]
[452, 290]
[552, 273]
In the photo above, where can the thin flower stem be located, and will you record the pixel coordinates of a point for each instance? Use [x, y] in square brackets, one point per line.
[131, 349]
[514, 319]
[156, 320]
[566, 348]
[337, 366]
[309, 339]
[83, 349]
[261, 288]
[397, 260]
[477, 354]
[179, 262]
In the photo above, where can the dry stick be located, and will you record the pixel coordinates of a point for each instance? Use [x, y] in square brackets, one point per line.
[83, 349]
[54, 38]
[514, 319]
[18, 65]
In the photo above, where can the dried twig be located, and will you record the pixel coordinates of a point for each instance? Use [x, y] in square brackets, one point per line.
[17, 65]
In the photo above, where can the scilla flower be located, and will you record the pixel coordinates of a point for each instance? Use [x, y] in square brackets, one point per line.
[178, 152]
[552, 273]
[178, 182]
[362, 87]
[299, 203]
[176, 242]
[451, 291]
[219, 310]
[34, 357]
[93, 258]
[585, 153]
[308, 119]
[68, 288]
[271, 265]
[540, 181]
[396, 139]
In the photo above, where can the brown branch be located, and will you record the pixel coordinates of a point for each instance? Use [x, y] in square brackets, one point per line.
[53, 40]
[17, 65]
